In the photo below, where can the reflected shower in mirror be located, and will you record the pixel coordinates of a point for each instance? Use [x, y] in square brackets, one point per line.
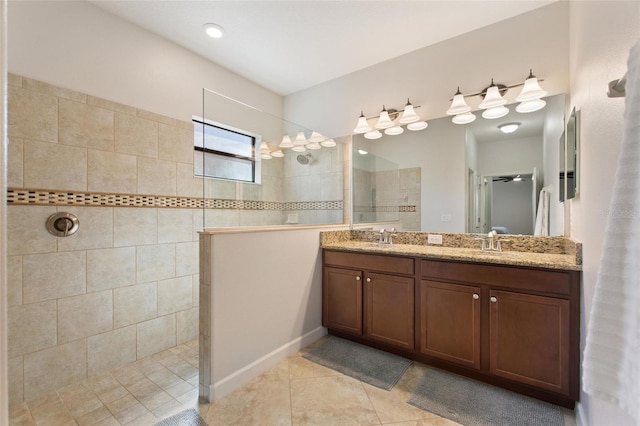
[470, 178]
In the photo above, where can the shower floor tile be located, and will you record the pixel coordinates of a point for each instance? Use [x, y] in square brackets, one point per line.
[294, 392]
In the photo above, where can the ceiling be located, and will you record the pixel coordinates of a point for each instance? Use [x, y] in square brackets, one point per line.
[288, 46]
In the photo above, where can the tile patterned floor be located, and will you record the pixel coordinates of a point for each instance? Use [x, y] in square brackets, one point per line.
[295, 392]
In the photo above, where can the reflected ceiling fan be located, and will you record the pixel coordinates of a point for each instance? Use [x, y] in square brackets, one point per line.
[515, 178]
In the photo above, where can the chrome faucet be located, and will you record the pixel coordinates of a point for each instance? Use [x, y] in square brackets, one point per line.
[491, 243]
[386, 237]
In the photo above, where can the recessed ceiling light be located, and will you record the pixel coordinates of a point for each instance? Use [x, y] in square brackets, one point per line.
[362, 152]
[509, 127]
[213, 30]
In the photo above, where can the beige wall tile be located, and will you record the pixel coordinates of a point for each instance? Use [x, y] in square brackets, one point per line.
[136, 136]
[187, 325]
[134, 304]
[175, 144]
[198, 223]
[111, 268]
[54, 368]
[175, 295]
[50, 89]
[53, 275]
[15, 161]
[84, 125]
[111, 350]
[156, 335]
[188, 185]
[187, 258]
[187, 125]
[156, 262]
[156, 177]
[95, 231]
[113, 106]
[134, 226]
[112, 172]
[26, 233]
[32, 115]
[175, 225]
[16, 381]
[84, 315]
[31, 327]
[53, 166]
[14, 280]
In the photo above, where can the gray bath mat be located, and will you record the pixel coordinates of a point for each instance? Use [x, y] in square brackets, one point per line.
[372, 366]
[189, 417]
[473, 403]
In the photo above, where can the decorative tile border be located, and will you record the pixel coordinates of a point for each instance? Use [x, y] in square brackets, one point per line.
[385, 209]
[68, 198]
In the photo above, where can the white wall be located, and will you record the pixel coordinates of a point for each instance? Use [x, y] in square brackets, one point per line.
[511, 156]
[601, 35]
[429, 76]
[439, 150]
[74, 44]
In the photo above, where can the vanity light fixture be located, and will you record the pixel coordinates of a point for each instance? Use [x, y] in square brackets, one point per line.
[213, 30]
[299, 148]
[286, 142]
[313, 145]
[384, 121]
[418, 125]
[408, 114]
[300, 139]
[362, 126]
[387, 122]
[278, 153]
[316, 137]
[493, 103]
[328, 143]
[509, 127]
[374, 134]
[393, 131]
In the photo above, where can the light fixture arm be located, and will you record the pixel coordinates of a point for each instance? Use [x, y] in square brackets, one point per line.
[501, 87]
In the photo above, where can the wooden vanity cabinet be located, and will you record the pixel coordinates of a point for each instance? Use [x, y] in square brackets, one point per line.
[513, 326]
[370, 296]
[514, 323]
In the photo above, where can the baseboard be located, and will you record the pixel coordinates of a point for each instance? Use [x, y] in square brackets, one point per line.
[249, 372]
[581, 418]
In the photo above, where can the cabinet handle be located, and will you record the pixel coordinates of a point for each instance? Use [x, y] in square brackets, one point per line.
[368, 280]
[476, 296]
[358, 278]
[494, 299]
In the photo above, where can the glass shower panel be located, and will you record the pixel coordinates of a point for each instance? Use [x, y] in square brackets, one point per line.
[249, 180]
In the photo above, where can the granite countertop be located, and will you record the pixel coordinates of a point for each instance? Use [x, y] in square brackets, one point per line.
[518, 258]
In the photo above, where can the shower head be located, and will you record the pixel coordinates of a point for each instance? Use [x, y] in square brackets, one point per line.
[303, 159]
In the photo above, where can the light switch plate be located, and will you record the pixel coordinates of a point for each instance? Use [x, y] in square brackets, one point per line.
[434, 239]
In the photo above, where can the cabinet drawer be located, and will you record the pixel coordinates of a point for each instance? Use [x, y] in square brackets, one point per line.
[370, 262]
[557, 282]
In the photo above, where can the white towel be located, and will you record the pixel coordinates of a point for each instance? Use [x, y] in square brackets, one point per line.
[542, 215]
[611, 364]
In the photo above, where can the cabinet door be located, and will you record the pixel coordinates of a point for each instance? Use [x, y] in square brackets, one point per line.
[450, 322]
[529, 339]
[342, 300]
[390, 309]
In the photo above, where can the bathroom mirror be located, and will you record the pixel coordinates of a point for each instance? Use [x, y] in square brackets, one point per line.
[469, 178]
[572, 172]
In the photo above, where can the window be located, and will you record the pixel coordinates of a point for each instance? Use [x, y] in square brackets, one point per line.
[224, 153]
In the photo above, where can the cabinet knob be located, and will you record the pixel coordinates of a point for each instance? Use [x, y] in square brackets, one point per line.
[494, 299]
[358, 278]
[476, 296]
[368, 280]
